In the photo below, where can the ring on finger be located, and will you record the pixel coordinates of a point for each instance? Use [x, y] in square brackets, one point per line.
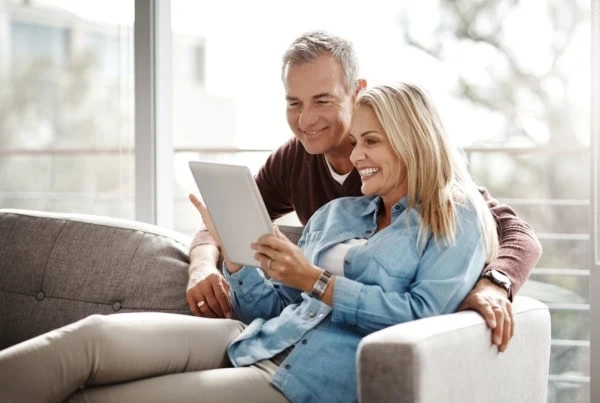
[201, 304]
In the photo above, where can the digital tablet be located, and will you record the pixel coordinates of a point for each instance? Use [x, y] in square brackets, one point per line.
[235, 206]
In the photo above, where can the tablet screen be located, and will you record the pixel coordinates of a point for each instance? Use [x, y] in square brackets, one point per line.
[235, 205]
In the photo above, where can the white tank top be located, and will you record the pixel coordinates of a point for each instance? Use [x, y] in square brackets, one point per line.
[332, 259]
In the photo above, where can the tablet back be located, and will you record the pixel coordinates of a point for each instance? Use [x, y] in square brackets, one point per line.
[235, 206]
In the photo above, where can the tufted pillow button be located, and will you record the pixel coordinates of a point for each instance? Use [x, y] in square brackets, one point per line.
[116, 306]
[39, 296]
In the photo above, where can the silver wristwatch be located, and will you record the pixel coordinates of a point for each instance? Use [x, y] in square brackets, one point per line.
[321, 285]
[500, 279]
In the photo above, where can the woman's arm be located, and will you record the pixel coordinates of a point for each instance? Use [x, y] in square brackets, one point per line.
[254, 296]
[443, 279]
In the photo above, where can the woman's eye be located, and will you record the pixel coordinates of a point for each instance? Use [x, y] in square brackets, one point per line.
[370, 142]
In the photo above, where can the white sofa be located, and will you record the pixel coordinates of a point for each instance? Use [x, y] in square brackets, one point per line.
[450, 359]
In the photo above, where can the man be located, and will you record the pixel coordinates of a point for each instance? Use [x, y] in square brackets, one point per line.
[320, 75]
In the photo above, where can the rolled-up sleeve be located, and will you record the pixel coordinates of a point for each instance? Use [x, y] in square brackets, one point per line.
[254, 296]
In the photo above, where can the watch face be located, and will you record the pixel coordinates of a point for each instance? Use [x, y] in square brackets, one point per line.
[500, 277]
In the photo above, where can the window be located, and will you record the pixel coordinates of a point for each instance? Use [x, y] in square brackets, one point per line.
[66, 131]
[511, 80]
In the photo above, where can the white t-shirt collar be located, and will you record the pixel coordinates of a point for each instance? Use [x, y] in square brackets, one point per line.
[336, 177]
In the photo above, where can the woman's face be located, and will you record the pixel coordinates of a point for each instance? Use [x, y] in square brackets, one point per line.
[381, 170]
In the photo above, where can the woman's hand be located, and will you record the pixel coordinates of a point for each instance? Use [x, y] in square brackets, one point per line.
[210, 227]
[285, 262]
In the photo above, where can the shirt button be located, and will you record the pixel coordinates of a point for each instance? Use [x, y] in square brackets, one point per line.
[397, 208]
[39, 296]
[240, 282]
[347, 262]
[304, 341]
[116, 306]
[368, 231]
[312, 315]
[288, 366]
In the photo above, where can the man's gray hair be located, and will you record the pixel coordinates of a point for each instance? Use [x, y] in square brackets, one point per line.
[311, 45]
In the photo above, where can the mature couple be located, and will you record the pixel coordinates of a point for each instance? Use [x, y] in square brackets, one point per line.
[409, 241]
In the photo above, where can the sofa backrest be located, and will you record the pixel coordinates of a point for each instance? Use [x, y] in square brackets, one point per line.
[58, 268]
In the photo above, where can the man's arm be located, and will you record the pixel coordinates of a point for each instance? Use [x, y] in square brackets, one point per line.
[520, 250]
[207, 291]
[518, 254]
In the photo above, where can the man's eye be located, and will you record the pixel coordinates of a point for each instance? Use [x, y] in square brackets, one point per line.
[292, 104]
[321, 102]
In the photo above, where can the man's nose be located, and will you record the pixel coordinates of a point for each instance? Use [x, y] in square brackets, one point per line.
[307, 118]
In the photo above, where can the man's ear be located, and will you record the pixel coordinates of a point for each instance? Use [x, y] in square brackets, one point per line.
[361, 84]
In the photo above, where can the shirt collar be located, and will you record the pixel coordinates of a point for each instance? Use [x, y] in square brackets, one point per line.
[375, 202]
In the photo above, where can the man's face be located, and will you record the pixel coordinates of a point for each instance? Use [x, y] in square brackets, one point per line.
[319, 107]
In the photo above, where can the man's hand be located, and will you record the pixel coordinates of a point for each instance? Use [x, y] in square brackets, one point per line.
[209, 296]
[493, 304]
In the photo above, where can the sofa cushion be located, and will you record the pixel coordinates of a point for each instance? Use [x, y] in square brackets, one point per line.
[58, 268]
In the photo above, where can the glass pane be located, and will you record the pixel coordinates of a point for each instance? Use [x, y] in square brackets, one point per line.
[565, 391]
[66, 107]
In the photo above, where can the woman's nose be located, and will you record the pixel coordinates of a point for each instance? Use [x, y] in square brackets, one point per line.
[356, 155]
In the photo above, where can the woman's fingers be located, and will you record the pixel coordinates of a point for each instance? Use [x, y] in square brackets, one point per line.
[277, 232]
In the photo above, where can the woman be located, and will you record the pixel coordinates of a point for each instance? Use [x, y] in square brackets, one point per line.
[412, 247]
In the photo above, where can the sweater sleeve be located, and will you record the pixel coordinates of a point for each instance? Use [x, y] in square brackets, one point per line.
[273, 181]
[520, 250]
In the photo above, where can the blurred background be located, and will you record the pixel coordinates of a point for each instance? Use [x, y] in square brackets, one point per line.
[511, 79]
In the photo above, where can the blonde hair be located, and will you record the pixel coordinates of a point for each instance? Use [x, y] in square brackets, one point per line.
[311, 45]
[438, 180]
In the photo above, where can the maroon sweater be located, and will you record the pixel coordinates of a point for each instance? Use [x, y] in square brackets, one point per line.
[294, 180]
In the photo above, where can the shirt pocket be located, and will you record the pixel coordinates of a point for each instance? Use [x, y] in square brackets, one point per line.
[393, 265]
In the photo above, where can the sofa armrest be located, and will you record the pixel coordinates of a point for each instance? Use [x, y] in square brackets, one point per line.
[450, 358]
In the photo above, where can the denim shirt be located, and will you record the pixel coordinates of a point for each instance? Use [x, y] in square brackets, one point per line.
[389, 280]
